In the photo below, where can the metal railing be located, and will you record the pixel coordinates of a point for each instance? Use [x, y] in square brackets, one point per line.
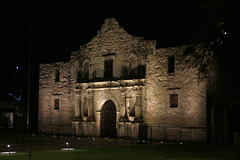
[187, 134]
[63, 129]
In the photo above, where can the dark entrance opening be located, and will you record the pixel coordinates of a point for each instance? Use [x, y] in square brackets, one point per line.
[108, 120]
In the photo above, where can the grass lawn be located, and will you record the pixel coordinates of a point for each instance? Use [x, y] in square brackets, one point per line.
[140, 152]
[47, 147]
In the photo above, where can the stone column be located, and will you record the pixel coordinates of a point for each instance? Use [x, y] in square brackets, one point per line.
[78, 108]
[90, 109]
[123, 113]
[138, 108]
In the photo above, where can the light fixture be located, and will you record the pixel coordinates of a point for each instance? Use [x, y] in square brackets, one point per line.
[67, 146]
[9, 148]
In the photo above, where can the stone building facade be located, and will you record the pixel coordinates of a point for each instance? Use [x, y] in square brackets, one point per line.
[122, 85]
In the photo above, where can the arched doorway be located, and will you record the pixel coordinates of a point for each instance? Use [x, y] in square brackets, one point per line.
[108, 120]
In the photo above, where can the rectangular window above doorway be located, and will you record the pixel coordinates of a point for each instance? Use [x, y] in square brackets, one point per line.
[173, 100]
[108, 68]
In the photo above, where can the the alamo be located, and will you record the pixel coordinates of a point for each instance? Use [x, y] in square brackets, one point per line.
[119, 85]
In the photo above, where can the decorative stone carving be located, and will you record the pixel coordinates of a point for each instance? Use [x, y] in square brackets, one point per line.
[133, 104]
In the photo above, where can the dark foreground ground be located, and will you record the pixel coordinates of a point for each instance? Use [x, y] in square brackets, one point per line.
[37, 147]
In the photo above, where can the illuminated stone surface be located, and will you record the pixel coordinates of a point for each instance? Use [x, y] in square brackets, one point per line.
[140, 88]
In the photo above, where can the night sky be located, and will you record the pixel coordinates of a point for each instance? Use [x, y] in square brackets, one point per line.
[60, 26]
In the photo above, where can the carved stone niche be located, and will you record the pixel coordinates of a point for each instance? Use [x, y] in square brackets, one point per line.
[87, 106]
[133, 105]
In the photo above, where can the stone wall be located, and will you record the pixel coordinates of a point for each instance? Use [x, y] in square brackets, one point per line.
[139, 87]
[49, 90]
[191, 110]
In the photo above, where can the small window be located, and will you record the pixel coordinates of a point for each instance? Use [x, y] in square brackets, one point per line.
[56, 104]
[173, 100]
[57, 75]
[142, 70]
[108, 68]
[171, 63]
